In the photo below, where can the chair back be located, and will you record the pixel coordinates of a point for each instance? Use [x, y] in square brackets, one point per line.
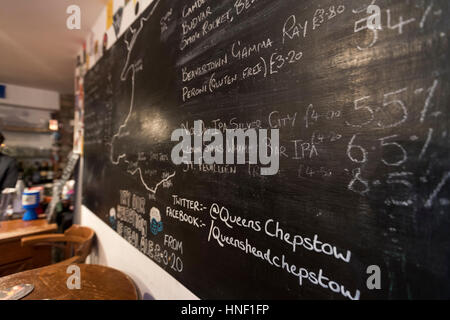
[81, 248]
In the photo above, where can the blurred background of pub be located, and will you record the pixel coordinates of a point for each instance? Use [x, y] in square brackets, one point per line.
[38, 129]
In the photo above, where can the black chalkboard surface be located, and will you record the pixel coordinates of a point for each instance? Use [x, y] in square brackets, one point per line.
[363, 116]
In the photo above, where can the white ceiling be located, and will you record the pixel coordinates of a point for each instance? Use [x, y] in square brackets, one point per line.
[36, 48]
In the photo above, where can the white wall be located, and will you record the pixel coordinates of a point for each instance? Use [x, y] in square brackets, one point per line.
[110, 249]
[98, 29]
[33, 107]
[30, 97]
[42, 141]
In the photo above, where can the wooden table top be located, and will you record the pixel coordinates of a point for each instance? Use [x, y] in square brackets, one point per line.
[16, 229]
[97, 283]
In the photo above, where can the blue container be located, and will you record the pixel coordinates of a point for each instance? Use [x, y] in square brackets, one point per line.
[30, 201]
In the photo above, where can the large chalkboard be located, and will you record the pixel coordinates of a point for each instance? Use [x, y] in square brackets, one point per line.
[363, 115]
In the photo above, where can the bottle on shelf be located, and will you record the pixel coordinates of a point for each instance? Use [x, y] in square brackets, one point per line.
[36, 177]
[50, 173]
[43, 170]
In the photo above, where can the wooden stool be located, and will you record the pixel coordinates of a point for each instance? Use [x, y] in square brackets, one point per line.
[97, 283]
